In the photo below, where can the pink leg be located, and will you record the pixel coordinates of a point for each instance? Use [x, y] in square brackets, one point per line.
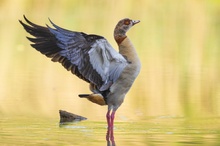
[112, 126]
[108, 117]
[110, 131]
[112, 118]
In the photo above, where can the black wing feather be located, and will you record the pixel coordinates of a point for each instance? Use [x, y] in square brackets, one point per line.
[47, 43]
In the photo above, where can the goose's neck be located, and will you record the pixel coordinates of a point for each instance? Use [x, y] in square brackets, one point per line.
[119, 35]
[127, 49]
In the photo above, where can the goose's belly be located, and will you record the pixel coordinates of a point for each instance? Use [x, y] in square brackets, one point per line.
[120, 88]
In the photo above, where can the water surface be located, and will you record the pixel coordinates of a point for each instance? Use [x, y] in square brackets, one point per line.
[164, 130]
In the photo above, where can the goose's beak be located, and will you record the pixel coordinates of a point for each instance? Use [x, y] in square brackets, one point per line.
[135, 22]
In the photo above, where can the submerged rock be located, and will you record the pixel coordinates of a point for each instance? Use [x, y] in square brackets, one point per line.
[69, 117]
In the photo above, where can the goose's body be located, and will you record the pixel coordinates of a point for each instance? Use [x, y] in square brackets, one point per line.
[91, 58]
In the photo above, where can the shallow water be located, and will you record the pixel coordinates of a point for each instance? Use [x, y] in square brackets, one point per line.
[162, 130]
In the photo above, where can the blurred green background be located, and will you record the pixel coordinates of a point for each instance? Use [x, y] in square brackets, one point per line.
[178, 43]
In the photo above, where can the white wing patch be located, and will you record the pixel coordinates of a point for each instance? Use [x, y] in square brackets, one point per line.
[106, 61]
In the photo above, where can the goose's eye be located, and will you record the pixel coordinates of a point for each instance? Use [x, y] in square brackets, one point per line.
[127, 22]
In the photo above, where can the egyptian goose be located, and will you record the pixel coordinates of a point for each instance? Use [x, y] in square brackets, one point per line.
[91, 58]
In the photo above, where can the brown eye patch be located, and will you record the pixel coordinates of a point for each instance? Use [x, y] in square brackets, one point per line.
[127, 22]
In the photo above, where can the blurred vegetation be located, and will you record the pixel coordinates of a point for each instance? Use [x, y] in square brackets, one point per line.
[177, 41]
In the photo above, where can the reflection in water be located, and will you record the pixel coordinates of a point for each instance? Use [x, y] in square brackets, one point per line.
[179, 76]
[110, 136]
[110, 120]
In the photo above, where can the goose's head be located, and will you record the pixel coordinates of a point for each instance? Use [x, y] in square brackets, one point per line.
[122, 27]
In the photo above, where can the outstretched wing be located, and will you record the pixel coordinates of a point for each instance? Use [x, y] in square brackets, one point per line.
[90, 57]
